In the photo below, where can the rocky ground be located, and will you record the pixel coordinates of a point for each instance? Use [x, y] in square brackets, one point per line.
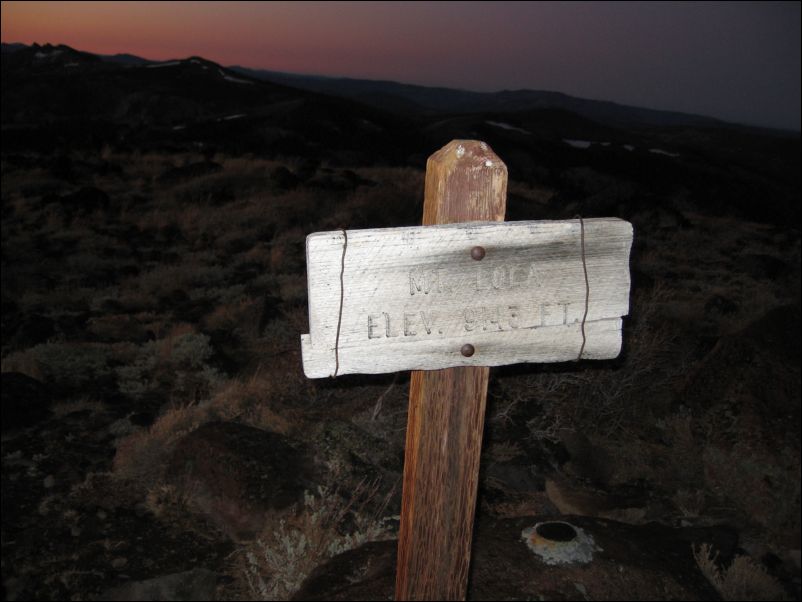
[161, 442]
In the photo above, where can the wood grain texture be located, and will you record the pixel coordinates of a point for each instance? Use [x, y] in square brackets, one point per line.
[441, 474]
[414, 296]
[446, 407]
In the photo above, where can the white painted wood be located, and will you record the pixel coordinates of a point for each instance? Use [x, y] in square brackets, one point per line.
[414, 296]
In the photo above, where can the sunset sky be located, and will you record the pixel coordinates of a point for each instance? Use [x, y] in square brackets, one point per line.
[735, 61]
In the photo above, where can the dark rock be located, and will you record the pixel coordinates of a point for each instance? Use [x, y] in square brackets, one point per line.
[515, 477]
[113, 328]
[197, 584]
[745, 400]
[283, 178]
[365, 573]
[62, 167]
[73, 326]
[174, 298]
[758, 366]
[130, 269]
[271, 310]
[588, 461]
[189, 172]
[106, 168]
[10, 316]
[719, 304]
[355, 179]
[345, 438]
[235, 474]
[642, 280]
[170, 234]
[85, 200]
[33, 329]
[629, 502]
[307, 168]
[25, 401]
[142, 418]
[369, 459]
[764, 267]
[339, 181]
[630, 562]
[110, 306]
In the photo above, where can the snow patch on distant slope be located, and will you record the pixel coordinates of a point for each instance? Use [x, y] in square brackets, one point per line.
[578, 143]
[44, 55]
[507, 126]
[236, 80]
[167, 64]
[660, 151]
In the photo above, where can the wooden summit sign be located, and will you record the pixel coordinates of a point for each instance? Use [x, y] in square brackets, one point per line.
[413, 298]
[447, 300]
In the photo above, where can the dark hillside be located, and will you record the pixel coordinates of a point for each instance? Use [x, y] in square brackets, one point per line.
[160, 439]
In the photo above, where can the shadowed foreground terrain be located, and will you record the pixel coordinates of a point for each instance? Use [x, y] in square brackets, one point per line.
[160, 440]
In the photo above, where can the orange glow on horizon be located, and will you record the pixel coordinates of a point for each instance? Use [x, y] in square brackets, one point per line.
[737, 61]
[273, 35]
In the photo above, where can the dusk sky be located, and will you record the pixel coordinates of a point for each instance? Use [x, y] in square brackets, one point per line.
[735, 61]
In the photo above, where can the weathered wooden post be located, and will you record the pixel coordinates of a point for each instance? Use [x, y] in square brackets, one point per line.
[465, 182]
[447, 300]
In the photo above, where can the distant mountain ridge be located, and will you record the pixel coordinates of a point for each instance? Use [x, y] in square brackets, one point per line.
[414, 99]
[56, 99]
[410, 99]
[54, 96]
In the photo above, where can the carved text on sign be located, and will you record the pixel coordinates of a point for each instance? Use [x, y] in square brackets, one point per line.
[412, 297]
[442, 281]
[494, 318]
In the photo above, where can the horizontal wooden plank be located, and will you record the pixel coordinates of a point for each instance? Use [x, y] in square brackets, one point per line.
[412, 297]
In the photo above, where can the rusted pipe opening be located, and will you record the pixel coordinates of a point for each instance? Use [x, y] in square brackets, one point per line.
[556, 531]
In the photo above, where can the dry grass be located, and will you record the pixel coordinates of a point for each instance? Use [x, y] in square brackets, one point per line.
[168, 502]
[744, 579]
[251, 401]
[601, 399]
[85, 404]
[241, 315]
[283, 555]
[141, 457]
[255, 401]
[67, 365]
[505, 451]
[227, 259]
[24, 362]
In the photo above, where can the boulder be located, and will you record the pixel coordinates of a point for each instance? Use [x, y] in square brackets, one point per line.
[365, 458]
[645, 562]
[174, 175]
[25, 401]
[283, 179]
[745, 402]
[30, 330]
[629, 562]
[197, 584]
[237, 474]
[364, 573]
[85, 200]
[755, 374]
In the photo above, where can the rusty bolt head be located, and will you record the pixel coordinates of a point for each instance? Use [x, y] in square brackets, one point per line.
[478, 253]
[467, 350]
